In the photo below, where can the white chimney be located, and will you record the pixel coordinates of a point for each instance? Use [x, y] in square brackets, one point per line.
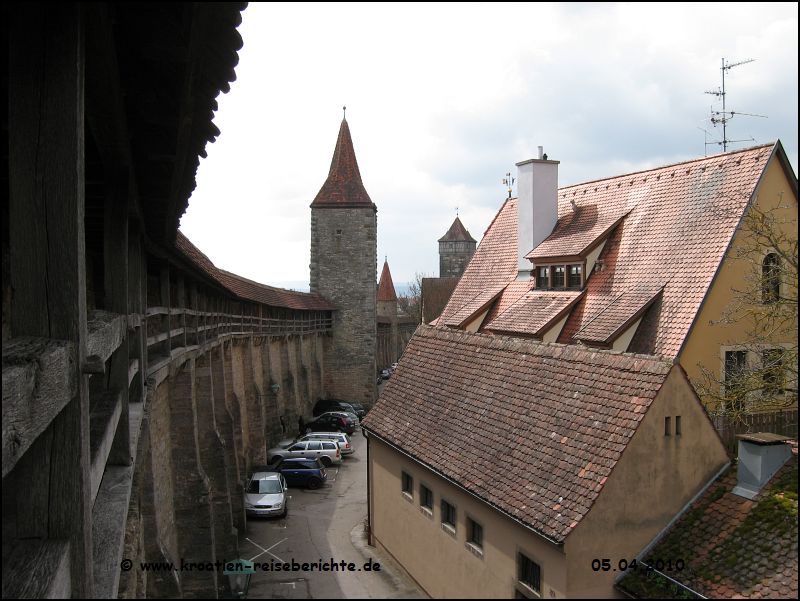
[537, 207]
[760, 456]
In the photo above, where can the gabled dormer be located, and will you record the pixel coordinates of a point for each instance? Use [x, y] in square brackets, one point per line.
[565, 259]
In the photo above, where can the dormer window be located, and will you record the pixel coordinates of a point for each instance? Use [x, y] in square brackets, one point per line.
[543, 278]
[575, 276]
[558, 276]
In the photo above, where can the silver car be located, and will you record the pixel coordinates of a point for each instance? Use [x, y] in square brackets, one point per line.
[343, 440]
[265, 495]
[326, 451]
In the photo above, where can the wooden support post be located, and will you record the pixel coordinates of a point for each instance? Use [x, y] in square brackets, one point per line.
[194, 302]
[165, 302]
[48, 260]
[137, 280]
[115, 255]
[181, 302]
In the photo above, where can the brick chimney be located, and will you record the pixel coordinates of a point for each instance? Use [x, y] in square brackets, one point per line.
[760, 456]
[537, 207]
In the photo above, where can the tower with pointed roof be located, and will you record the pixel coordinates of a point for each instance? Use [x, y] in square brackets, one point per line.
[343, 265]
[456, 248]
[388, 349]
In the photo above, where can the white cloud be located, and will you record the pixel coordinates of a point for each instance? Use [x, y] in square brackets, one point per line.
[444, 99]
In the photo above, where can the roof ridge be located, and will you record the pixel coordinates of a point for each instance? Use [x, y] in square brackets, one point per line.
[668, 165]
[426, 330]
[275, 288]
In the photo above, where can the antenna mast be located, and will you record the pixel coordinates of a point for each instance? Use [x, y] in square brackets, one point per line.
[723, 116]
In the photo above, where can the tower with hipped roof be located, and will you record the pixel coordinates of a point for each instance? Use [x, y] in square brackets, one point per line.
[343, 265]
[456, 248]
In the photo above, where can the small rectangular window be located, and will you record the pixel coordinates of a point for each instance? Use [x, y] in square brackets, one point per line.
[667, 426]
[543, 277]
[474, 533]
[558, 276]
[677, 425]
[575, 276]
[530, 574]
[425, 497]
[735, 379]
[408, 484]
[448, 514]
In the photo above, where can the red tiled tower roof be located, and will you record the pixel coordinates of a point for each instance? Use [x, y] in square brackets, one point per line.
[457, 233]
[343, 188]
[385, 286]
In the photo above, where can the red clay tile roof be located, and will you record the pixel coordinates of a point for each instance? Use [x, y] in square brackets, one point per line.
[732, 547]
[680, 220]
[494, 263]
[474, 307]
[248, 289]
[512, 293]
[457, 233]
[547, 442]
[534, 312]
[385, 286]
[343, 188]
[576, 233]
[435, 294]
[620, 313]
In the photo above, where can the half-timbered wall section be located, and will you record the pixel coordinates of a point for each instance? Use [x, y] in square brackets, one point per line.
[140, 382]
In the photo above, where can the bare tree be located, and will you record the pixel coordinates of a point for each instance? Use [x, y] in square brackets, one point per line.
[762, 374]
[411, 302]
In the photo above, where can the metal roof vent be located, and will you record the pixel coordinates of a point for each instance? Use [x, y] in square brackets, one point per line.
[760, 456]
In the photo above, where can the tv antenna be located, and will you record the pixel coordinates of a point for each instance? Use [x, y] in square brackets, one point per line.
[722, 117]
[509, 181]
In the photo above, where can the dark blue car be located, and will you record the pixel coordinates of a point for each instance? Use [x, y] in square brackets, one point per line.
[302, 472]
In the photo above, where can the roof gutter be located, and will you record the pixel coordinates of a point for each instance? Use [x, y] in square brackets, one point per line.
[460, 487]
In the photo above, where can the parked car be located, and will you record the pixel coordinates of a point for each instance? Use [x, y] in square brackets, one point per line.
[331, 422]
[386, 374]
[302, 472]
[350, 414]
[265, 495]
[361, 411]
[393, 367]
[325, 450]
[342, 439]
[324, 406]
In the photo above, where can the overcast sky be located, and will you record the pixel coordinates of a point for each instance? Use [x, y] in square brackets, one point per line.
[443, 100]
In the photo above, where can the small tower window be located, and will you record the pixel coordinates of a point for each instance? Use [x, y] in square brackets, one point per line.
[667, 426]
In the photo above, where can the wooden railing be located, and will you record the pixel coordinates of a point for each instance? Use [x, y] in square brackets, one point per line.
[201, 327]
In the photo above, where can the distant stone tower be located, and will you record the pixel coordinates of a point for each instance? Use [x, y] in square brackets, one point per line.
[343, 265]
[456, 248]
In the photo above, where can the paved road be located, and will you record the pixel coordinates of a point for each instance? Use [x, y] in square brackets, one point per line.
[322, 525]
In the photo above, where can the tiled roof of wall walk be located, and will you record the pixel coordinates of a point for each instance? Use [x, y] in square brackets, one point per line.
[248, 289]
[435, 294]
[577, 232]
[561, 417]
[534, 312]
[343, 188]
[386, 286]
[733, 548]
[494, 263]
[678, 222]
[457, 233]
[621, 311]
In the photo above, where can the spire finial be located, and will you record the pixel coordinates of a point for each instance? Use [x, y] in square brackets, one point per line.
[344, 113]
[385, 258]
[456, 211]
